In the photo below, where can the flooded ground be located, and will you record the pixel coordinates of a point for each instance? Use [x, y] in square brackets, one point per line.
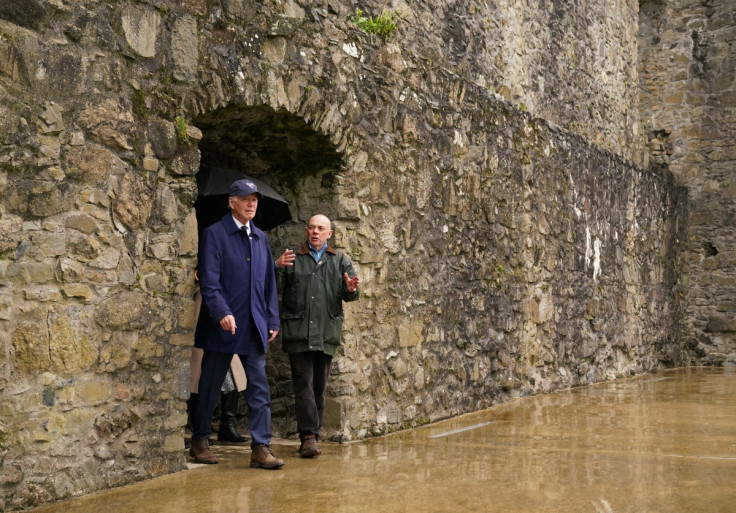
[656, 443]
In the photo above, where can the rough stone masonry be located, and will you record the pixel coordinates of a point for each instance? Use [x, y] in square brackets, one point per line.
[487, 168]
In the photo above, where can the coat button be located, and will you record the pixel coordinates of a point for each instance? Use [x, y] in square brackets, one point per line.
[247, 259]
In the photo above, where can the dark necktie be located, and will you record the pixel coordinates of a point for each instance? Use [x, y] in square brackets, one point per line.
[244, 230]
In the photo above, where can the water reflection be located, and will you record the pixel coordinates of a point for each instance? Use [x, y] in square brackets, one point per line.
[655, 443]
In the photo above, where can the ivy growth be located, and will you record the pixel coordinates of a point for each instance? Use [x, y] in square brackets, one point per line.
[383, 26]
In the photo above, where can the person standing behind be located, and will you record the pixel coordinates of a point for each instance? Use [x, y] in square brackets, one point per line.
[314, 280]
[238, 287]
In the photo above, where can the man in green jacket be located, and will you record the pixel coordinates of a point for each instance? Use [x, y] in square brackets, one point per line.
[314, 280]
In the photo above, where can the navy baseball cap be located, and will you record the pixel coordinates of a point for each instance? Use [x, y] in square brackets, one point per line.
[243, 188]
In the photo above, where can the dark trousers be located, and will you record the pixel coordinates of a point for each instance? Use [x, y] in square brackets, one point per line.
[257, 394]
[310, 372]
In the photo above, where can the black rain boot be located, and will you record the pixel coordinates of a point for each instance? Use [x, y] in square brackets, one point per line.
[229, 408]
[191, 406]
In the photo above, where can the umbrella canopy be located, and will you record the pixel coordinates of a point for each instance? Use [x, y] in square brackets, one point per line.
[214, 190]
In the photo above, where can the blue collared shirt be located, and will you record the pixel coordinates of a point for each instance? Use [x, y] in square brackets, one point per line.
[317, 253]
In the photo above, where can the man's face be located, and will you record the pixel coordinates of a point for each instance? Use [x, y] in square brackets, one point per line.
[318, 231]
[244, 207]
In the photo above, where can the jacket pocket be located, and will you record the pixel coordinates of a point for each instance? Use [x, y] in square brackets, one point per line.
[333, 329]
[293, 326]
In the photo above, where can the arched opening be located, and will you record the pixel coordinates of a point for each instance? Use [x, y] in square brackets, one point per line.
[281, 150]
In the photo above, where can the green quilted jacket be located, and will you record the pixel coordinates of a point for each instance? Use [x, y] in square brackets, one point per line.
[311, 300]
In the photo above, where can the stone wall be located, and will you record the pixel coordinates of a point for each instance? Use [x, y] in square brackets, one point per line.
[501, 253]
[573, 63]
[688, 82]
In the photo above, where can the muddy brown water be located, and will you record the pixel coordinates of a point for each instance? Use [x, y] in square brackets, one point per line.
[662, 442]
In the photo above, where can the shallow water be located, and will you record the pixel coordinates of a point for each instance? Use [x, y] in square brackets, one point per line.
[655, 443]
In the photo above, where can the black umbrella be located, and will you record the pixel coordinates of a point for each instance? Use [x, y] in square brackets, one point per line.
[214, 190]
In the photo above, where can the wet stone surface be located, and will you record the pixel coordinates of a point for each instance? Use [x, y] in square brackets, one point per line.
[662, 442]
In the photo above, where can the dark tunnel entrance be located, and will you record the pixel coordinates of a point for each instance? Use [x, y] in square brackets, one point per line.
[274, 146]
[281, 150]
[263, 141]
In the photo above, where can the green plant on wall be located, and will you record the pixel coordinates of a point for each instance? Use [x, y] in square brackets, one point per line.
[383, 26]
[181, 128]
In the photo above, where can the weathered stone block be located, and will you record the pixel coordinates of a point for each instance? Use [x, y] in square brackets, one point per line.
[150, 164]
[148, 351]
[185, 164]
[182, 339]
[30, 348]
[12, 63]
[163, 139]
[333, 414]
[70, 348]
[162, 247]
[141, 28]
[116, 353]
[107, 258]
[78, 291]
[35, 198]
[71, 269]
[284, 25]
[185, 48]
[410, 332]
[133, 203]
[126, 310]
[186, 314]
[110, 123]
[42, 294]
[168, 209]
[156, 283]
[189, 238]
[48, 244]
[82, 222]
[93, 391]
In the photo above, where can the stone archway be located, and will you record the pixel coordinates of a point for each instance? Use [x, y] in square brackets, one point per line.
[282, 150]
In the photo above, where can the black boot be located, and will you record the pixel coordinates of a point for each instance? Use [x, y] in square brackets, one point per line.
[191, 406]
[229, 408]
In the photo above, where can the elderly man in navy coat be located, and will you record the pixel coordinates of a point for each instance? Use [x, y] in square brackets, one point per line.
[239, 316]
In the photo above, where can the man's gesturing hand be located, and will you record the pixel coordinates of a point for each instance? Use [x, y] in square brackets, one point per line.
[286, 258]
[351, 283]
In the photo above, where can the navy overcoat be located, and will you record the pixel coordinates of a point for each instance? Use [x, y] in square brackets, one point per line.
[236, 277]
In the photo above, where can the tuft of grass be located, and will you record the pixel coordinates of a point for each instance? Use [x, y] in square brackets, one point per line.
[181, 128]
[383, 26]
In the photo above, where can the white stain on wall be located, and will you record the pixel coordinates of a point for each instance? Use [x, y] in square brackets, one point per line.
[593, 252]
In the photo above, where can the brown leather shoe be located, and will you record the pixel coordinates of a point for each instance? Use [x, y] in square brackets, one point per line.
[262, 457]
[309, 447]
[200, 451]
